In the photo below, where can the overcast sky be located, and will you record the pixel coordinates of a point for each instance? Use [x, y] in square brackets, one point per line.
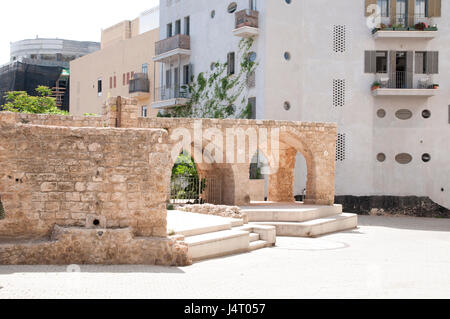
[74, 20]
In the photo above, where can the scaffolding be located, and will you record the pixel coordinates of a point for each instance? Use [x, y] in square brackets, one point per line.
[19, 76]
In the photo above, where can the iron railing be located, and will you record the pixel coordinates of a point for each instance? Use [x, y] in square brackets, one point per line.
[405, 80]
[139, 83]
[179, 41]
[195, 190]
[165, 93]
[405, 20]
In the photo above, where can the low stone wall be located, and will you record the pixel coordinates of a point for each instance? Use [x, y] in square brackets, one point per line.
[257, 189]
[94, 246]
[216, 210]
[392, 205]
[53, 120]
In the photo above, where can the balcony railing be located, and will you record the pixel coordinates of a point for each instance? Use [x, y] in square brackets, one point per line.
[180, 41]
[171, 92]
[405, 80]
[139, 84]
[247, 18]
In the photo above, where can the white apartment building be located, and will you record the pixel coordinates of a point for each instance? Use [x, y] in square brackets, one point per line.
[318, 61]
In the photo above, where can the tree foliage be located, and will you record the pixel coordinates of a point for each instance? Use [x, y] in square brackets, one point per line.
[216, 94]
[21, 102]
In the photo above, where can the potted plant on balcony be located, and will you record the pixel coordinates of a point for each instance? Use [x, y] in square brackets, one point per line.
[421, 26]
[400, 27]
[431, 28]
[435, 86]
[375, 85]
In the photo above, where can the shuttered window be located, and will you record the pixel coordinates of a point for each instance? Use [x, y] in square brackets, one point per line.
[434, 8]
[421, 63]
[231, 61]
[375, 62]
[432, 62]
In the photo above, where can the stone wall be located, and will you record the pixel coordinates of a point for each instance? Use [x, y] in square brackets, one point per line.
[55, 120]
[73, 176]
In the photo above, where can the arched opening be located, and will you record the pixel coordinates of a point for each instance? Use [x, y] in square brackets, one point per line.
[186, 185]
[259, 177]
[300, 178]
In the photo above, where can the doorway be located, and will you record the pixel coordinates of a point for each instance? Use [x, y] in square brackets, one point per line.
[400, 70]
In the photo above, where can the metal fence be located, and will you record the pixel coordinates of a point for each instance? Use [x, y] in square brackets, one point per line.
[195, 190]
[165, 93]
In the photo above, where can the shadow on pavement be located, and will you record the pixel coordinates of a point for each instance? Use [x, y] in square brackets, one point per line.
[401, 222]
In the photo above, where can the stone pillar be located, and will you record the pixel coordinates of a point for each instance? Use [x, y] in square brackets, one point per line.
[121, 112]
[281, 179]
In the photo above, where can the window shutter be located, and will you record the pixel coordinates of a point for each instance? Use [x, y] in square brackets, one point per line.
[434, 8]
[392, 64]
[370, 63]
[432, 62]
[393, 11]
[419, 63]
[411, 11]
[409, 68]
[191, 72]
[368, 3]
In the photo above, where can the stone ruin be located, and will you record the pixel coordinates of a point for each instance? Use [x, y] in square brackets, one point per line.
[94, 190]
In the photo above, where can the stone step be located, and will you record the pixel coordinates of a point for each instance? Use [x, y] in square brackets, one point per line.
[237, 222]
[265, 232]
[315, 228]
[258, 245]
[200, 230]
[218, 244]
[290, 213]
[254, 237]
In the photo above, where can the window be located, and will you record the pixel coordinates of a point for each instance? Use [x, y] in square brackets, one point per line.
[115, 81]
[128, 78]
[232, 7]
[287, 106]
[99, 87]
[124, 80]
[231, 61]
[252, 5]
[427, 62]
[144, 111]
[252, 105]
[110, 82]
[381, 60]
[187, 25]
[384, 8]
[168, 79]
[145, 68]
[169, 30]
[421, 8]
[177, 27]
[187, 74]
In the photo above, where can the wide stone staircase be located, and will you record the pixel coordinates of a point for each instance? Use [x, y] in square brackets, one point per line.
[299, 220]
[211, 236]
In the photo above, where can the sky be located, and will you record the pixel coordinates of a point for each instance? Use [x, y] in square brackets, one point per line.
[80, 20]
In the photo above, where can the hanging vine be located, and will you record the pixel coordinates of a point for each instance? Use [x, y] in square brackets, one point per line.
[216, 94]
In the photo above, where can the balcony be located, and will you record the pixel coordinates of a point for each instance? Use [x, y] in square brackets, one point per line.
[139, 86]
[176, 46]
[246, 25]
[169, 97]
[405, 84]
[407, 27]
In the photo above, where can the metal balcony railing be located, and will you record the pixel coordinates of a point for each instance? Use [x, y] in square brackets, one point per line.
[139, 84]
[165, 93]
[405, 21]
[405, 80]
[247, 18]
[179, 41]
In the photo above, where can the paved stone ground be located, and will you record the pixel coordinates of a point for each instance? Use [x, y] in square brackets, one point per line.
[385, 258]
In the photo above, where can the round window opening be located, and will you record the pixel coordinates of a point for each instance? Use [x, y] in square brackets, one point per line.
[288, 1]
[96, 222]
[252, 56]
[287, 56]
[381, 113]
[426, 158]
[232, 7]
[287, 106]
[426, 114]
[212, 66]
[381, 157]
[213, 14]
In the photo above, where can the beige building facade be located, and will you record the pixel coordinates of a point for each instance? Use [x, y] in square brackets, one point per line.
[123, 67]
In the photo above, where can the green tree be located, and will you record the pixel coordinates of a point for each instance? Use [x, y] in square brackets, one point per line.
[21, 102]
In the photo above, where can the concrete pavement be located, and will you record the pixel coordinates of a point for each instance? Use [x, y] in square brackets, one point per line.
[386, 257]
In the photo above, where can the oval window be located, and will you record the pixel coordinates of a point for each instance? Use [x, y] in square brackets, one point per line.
[403, 158]
[381, 157]
[404, 114]
[287, 56]
[232, 7]
[381, 113]
[213, 14]
[252, 56]
[287, 106]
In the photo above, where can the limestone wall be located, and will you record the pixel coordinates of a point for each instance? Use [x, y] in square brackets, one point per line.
[74, 176]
